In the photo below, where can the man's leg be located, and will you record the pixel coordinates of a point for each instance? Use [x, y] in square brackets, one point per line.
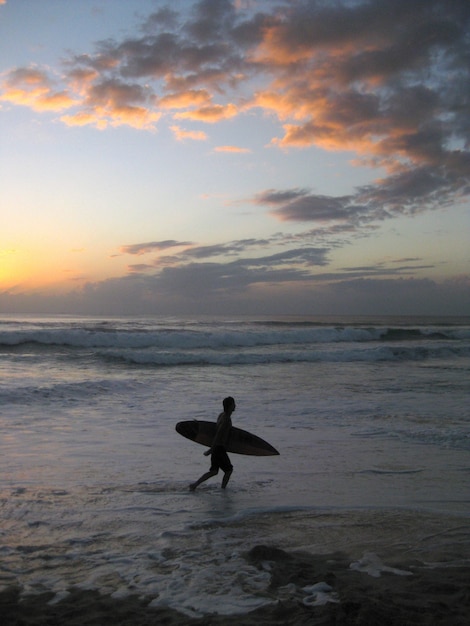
[226, 478]
[203, 478]
[227, 467]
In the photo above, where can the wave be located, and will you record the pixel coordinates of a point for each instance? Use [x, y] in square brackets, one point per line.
[221, 358]
[62, 392]
[219, 338]
[385, 472]
[151, 343]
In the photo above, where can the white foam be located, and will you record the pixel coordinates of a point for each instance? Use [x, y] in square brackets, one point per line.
[316, 594]
[319, 594]
[371, 564]
[218, 584]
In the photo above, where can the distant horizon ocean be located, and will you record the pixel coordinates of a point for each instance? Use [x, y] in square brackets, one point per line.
[370, 415]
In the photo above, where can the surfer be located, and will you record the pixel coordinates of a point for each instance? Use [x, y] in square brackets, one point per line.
[218, 452]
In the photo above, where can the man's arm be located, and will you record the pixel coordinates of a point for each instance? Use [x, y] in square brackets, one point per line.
[221, 435]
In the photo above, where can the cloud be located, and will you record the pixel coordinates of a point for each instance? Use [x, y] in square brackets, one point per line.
[409, 192]
[164, 17]
[112, 101]
[34, 88]
[399, 296]
[210, 279]
[194, 135]
[300, 205]
[367, 73]
[185, 99]
[152, 246]
[85, 119]
[239, 275]
[212, 288]
[210, 114]
[383, 79]
[139, 268]
[200, 277]
[232, 149]
[237, 264]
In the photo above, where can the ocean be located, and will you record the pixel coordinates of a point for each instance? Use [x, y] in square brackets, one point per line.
[371, 417]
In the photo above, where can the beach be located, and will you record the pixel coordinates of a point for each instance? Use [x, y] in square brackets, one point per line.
[363, 518]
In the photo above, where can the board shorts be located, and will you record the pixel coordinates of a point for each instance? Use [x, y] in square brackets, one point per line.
[220, 460]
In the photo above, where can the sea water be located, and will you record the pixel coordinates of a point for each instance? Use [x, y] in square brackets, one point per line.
[369, 415]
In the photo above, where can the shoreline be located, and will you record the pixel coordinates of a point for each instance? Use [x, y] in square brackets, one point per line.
[424, 596]
[392, 568]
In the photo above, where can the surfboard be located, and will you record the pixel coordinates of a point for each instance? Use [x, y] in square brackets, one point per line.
[240, 441]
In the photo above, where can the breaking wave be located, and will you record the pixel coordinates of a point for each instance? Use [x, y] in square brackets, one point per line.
[157, 344]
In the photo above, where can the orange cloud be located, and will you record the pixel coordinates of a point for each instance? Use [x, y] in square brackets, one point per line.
[210, 114]
[84, 119]
[185, 99]
[33, 88]
[111, 103]
[54, 102]
[136, 117]
[120, 103]
[272, 50]
[235, 149]
[351, 86]
[101, 118]
[81, 79]
[328, 137]
[181, 134]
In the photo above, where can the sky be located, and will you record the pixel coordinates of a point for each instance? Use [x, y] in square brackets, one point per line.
[301, 157]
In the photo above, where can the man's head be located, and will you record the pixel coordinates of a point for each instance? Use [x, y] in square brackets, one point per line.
[229, 404]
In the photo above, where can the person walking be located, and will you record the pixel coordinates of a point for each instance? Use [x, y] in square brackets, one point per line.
[218, 451]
